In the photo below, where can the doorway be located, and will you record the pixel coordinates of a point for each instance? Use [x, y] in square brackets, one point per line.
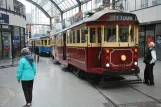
[5, 48]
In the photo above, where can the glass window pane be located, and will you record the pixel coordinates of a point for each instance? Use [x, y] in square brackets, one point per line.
[6, 27]
[78, 36]
[74, 39]
[99, 35]
[7, 47]
[83, 36]
[16, 42]
[92, 35]
[110, 34]
[132, 34]
[124, 33]
[22, 38]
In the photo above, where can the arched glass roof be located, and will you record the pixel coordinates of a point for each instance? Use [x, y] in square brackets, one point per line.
[56, 7]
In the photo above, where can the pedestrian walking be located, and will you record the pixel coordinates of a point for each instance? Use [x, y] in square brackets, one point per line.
[149, 60]
[25, 74]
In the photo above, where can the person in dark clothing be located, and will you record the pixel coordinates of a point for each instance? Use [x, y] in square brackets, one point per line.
[26, 73]
[149, 60]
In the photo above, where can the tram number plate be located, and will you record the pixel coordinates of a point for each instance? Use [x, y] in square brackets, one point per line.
[122, 65]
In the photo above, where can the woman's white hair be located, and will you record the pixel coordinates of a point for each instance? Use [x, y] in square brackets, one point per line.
[152, 44]
[25, 51]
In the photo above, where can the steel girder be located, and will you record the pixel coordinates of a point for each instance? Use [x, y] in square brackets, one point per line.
[38, 6]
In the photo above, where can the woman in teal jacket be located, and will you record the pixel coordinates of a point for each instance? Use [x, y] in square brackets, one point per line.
[26, 73]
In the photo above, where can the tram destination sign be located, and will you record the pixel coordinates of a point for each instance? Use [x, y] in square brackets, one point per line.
[4, 18]
[122, 17]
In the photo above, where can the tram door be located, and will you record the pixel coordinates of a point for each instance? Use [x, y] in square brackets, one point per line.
[94, 47]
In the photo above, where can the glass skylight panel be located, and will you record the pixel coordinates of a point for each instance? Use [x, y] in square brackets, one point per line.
[62, 6]
[74, 1]
[67, 3]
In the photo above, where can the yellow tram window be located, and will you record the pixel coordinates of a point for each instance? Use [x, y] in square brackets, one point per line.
[124, 33]
[42, 42]
[83, 36]
[99, 35]
[132, 34]
[110, 34]
[78, 36]
[48, 42]
[92, 35]
[71, 37]
[74, 41]
[45, 42]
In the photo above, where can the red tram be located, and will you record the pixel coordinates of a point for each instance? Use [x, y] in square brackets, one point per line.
[104, 44]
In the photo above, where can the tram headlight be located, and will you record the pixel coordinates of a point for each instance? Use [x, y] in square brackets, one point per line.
[135, 63]
[123, 57]
[107, 65]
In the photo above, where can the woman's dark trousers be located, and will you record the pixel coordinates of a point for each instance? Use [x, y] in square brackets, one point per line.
[27, 87]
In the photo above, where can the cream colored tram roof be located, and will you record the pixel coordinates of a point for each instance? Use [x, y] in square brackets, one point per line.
[93, 17]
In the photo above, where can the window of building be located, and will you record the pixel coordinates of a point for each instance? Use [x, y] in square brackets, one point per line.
[144, 3]
[156, 2]
[92, 35]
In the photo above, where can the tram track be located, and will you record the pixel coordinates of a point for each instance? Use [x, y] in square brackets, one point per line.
[107, 98]
[145, 94]
[119, 105]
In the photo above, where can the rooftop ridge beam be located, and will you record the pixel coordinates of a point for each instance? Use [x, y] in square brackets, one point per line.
[56, 6]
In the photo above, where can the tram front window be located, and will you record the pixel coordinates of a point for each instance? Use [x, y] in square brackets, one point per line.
[110, 34]
[123, 33]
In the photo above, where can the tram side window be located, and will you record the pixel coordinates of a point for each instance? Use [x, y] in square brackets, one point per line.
[42, 42]
[110, 34]
[73, 36]
[83, 36]
[48, 42]
[99, 35]
[68, 38]
[124, 33]
[132, 34]
[45, 42]
[78, 36]
[92, 35]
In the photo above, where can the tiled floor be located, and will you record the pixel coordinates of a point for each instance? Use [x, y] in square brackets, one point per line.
[54, 87]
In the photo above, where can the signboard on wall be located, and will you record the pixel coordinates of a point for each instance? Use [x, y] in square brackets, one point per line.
[4, 18]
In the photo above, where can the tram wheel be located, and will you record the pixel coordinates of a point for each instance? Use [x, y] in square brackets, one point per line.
[94, 79]
[81, 74]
